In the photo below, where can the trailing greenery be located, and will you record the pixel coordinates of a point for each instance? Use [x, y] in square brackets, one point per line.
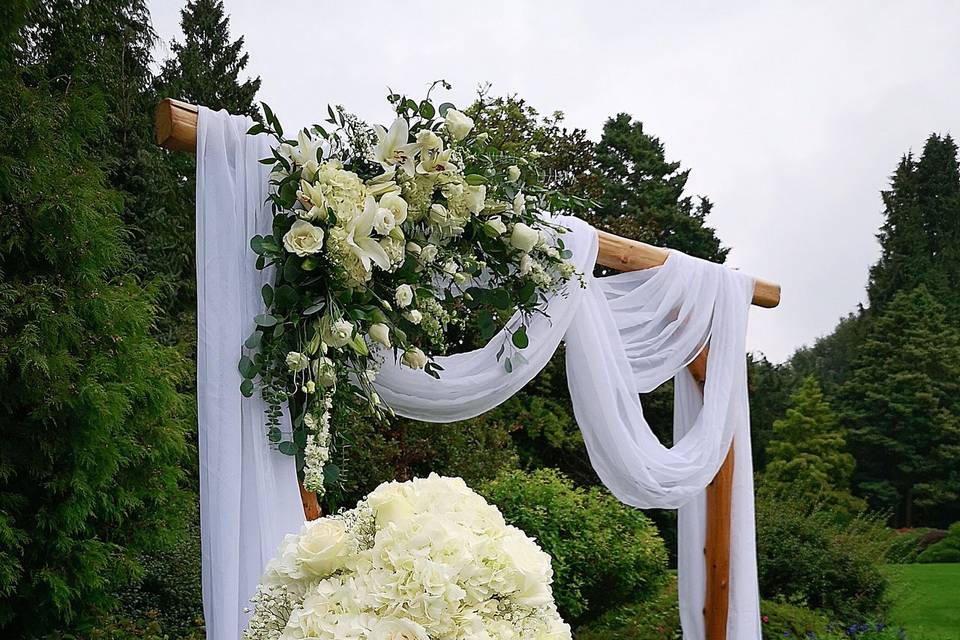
[90, 470]
[604, 553]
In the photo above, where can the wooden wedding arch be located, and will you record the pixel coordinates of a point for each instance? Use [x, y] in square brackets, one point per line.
[176, 129]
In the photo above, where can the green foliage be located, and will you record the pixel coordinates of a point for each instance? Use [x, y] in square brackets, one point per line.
[604, 553]
[657, 618]
[947, 550]
[805, 556]
[92, 420]
[785, 620]
[770, 386]
[806, 456]
[907, 544]
[901, 405]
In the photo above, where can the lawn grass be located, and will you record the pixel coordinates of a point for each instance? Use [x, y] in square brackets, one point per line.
[927, 600]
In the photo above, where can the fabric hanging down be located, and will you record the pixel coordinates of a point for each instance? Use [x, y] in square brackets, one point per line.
[625, 334]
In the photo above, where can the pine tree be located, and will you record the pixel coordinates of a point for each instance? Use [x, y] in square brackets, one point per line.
[920, 238]
[806, 455]
[93, 425]
[901, 405]
[642, 194]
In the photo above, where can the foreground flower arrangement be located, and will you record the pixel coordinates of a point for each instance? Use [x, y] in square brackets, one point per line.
[427, 559]
[389, 242]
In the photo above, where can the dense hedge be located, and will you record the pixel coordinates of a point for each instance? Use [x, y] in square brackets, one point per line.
[605, 554]
[946, 550]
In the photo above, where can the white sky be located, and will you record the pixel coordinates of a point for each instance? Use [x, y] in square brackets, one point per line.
[791, 115]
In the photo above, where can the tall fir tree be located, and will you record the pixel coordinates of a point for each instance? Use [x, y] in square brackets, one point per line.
[920, 237]
[93, 425]
[901, 405]
[642, 194]
[807, 454]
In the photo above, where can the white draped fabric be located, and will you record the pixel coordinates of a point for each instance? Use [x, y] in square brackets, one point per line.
[625, 334]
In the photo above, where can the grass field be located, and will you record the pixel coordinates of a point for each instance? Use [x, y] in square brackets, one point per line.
[927, 600]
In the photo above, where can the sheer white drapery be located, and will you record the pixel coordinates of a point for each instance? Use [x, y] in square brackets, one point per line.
[625, 334]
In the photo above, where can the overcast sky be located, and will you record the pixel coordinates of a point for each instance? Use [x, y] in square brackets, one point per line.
[791, 115]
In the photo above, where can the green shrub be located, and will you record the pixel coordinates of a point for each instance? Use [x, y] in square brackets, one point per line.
[947, 550]
[785, 620]
[655, 619]
[605, 554]
[805, 555]
[907, 544]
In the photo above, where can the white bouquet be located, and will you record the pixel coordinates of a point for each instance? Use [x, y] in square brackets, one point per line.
[427, 559]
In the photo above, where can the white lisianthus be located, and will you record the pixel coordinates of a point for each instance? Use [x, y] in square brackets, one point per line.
[513, 173]
[519, 203]
[338, 333]
[380, 333]
[403, 295]
[476, 196]
[524, 237]
[384, 222]
[322, 547]
[414, 358]
[496, 225]
[297, 361]
[397, 206]
[414, 316]
[428, 254]
[450, 267]
[458, 124]
[303, 239]
[325, 371]
[392, 147]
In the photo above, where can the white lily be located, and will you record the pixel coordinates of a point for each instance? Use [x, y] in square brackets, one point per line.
[392, 147]
[436, 161]
[358, 237]
[305, 153]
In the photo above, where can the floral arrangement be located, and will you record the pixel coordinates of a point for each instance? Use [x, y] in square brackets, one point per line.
[389, 242]
[427, 559]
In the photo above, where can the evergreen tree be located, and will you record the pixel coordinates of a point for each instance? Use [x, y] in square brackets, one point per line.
[901, 405]
[641, 193]
[920, 238]
[769, 386]
[93, 426]
[806, 456]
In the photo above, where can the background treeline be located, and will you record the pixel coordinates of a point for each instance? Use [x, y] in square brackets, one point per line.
[98, 489]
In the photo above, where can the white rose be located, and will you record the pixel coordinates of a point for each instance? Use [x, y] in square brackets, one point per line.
[496, 224]
[396, 205]
[476, 196]
[524, 237]
[428, 140]
[403, 296]
[383, 221]
[337, 334]
[458, 124]
[322, 547]
[513, 173]
[303, 239]
[414, 316]
[297, 361]
[532, 566]
[438, 214]
[390, 503]
[428, 254]
[380, 333]
[397, 629]
[414, 358]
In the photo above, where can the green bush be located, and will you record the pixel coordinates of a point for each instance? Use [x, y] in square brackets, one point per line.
[605, 554]
[805, 555]
[785, 620]
[908, 544]
[947, 550]
[655, 619]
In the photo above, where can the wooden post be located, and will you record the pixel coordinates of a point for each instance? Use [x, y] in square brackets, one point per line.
[311, 506]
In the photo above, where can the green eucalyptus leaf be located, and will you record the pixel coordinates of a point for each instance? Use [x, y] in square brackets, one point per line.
[331, 473]
[266, 292]
[475, 179]
[287, 448]
[254, 340]
[246, 388]
[265, 320]
[520, 339]
[443, 108]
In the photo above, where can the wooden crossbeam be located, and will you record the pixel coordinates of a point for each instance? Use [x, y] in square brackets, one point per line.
[176, 129]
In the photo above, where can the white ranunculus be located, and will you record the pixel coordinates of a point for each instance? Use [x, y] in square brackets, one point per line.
[496, 224]
[297, 361]
[524, 237]
[396, 205]
[384, 222]
[476, 196]
[380, 333]
[322, 547]
[303, 239]
[414, 358]
[414, 316]
[392, 147]
[403, 295]
[338, 333]
[513, 173]
[458, 124]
